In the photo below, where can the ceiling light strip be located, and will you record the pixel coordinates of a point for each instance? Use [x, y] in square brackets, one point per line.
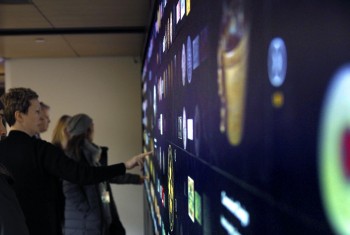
[60, 31]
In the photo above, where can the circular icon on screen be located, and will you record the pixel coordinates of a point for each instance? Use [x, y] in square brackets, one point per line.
[277, 62]
[334, 152]
[183, 65]
[189, 59]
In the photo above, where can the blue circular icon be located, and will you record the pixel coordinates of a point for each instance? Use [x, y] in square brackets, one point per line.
[277, 62]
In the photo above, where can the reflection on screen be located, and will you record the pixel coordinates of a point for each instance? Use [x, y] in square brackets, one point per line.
[246, 107]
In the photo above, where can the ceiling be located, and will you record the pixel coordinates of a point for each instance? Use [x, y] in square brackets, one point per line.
[78, 28]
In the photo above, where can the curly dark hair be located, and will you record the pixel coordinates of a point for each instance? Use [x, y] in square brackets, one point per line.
[17, 99]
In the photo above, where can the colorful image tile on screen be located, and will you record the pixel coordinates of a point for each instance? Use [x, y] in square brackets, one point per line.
[184, 128]
[164, 45]
[162, 194]
[171, 27]
[190, 193]
[190, 129]
[171, 206]
[161, 124]
[155, 101]
[334, 151]
[179, 127]
[198, 207]
[188, 6]
[178, 12]
[160, 88]
[183, 8]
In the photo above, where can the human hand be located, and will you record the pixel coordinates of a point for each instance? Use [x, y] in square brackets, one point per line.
[137, 160]
[143, 179]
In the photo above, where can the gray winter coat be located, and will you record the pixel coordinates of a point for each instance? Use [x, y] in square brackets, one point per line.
[84, 210]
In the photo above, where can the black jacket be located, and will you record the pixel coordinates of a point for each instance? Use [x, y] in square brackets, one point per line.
[37, 167]
[12, 220]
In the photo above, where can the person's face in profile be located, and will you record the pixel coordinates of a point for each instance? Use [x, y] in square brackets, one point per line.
[44, 120]
[30, 121]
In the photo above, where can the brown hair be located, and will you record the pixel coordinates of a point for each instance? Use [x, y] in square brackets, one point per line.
[17, 99]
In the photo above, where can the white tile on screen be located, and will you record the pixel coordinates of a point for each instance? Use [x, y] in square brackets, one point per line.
[190, 129]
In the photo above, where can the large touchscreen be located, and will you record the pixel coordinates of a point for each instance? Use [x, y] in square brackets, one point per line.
[246, 105]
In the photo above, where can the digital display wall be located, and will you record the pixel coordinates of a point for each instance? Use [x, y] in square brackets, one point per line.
[246, 105]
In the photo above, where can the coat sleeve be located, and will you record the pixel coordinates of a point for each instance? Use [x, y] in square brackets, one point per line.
[55, 162]
[122, 179]
[127, 178]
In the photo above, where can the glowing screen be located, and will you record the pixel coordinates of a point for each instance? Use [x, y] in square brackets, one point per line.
[246, 105]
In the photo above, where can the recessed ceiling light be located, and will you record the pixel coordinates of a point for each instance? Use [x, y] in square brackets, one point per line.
[40, 40]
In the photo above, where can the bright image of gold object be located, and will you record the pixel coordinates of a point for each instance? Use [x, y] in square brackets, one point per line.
[232, 72]
[171, 202]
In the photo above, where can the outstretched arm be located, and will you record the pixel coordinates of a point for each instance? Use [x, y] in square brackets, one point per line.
[136, 160]
[128, 178]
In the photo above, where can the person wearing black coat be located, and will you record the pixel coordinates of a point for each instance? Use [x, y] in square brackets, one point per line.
[12, 220]
[37, 166]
